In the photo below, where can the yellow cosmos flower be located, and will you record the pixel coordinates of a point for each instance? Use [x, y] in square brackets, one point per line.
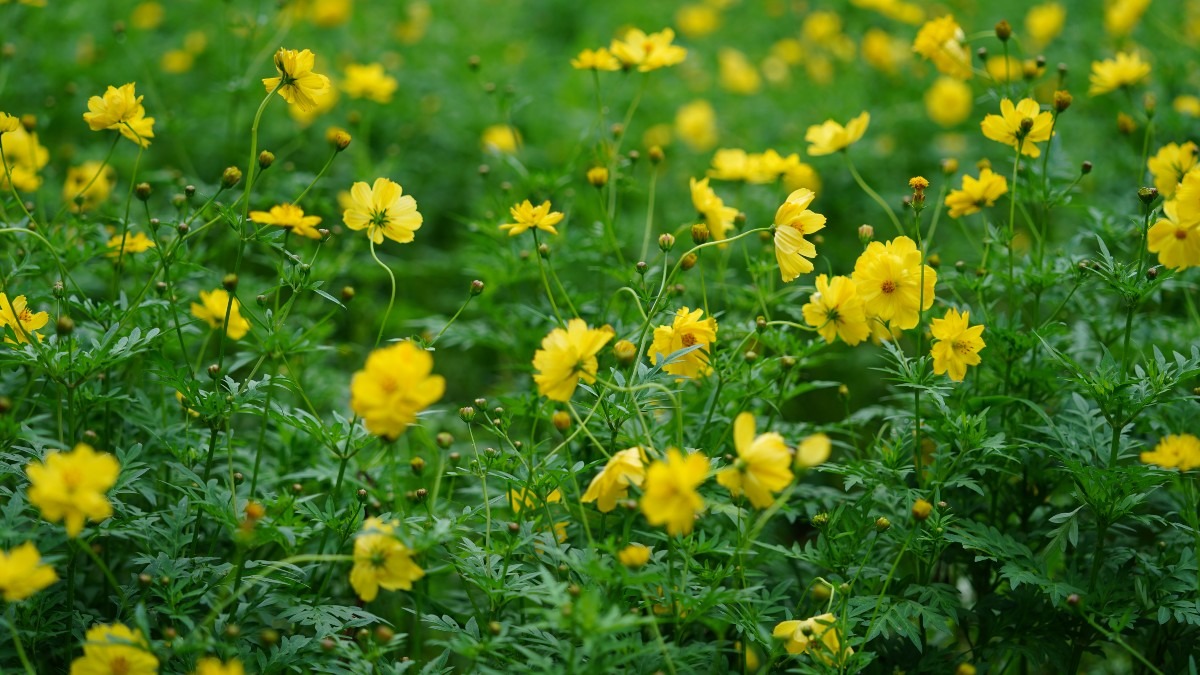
[97, 177]
[697, 20]
[297, 83]
[381, 561]
[520, 498]
[648, 52]
[793, 220]
[623, 469]
[500, 139]
[976, 193]
[529, 216]
[1126, 70]
[1170, 164]
[115, 649]
[70, 486]
[763, 466]
[696, 125]
[729, 164]
[291, 217]
[1176, 237]
[1122, 16]
[634, 555]
[9, 123]
[595, 59]
[817, 636]
[956, 344]
[687, 330]
[121, 109]
[211, 309]
[566, 357]
[717, 217]
[24, 157]
[1044, 22]
[1007, 127]
[16, 315]
[214, 666]
[829, 137]
[889, 281]
[1178, 451]
[137, 242]
[948, 102]
[736, 73]
[369, 81]
[835, 310]
[22, 572]
[395, 384]
[384, 210]
[813, 451]
[941, 41]
[670, 496]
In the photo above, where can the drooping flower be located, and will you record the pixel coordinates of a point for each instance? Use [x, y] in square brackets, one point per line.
[369, 81]
[22, 572]
[1177, 451]
[1126, 70]
[687, 330]
[214, 666]
[625, 468]
[291, 217]
[829, 137]
[70, 486]
[762, 467]
[669, 497]
[381, 561]
[211, 309]
[889, 280]
[648, 52]
[16, 315]
[956, 344]
[137, 242]
[793, 220]
[121, 109]
[817, 636]
[835, 310]
[1009, 127]
[115, 649]
[384, 210]
[1170, 164]
[528, 216]
[941, 41]
[395, 384]
[717, 217]
[976, 193]
[78, 177]
[297, 83]
[1176, 237]
[595, 59]
[566, 357]
[634, 555]
[25, 157]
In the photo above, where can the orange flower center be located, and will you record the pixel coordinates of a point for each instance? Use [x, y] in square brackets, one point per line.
[25, 316]
[388, 384]
[119, 666]
[1181, 234]
[888, 286]
[961, 347]
[688, 339]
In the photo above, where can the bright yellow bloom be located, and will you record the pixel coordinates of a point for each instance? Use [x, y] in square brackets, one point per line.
[670, 496]
[889, 281]
[1176, 237]
[291, 217]
[648, 52]
[976, 193]
[500, 139]
[297, 83]
[381, 561]
[762, 467]
[817, 636]
[1126, 70]
[114, 649]
[1178, 451]
[735, 72]
[9, 123]
[384, 210]
[835, 310]
[813, 451]
[829, 137]
[696, 124]
[687, 330]
[948, 101]
[79, 177]
[22, 572]
[1172, 162]
[793, 220]
[211, 309]
[717, 216]
[956, 344]
[566, 357]
[1044, 22]
[529, 216]
[1006, 127]
[941, 41]
[595, 59]
[214, 666]
[728, 164]
[121, 109]
[623, 469]
[70, 486]
[137, 242]
[369, 81]
[634, 555]
[16, 315]
[395, 384]
[25, 157]
[1122, 16]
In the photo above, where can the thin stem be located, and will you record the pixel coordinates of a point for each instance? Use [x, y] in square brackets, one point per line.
[112, 580]
[873, 194]
[646, 236]
[391, 298]
[296, 201]
[545, 281]
[12, 623]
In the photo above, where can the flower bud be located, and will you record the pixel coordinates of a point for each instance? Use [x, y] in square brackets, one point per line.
[417, 465]
[787, 362]
[1085, 168]
[688, 262]
[544, 251]
[1062, 100]
[1125, 124]
[641, 267]
[1152, 273]
[921, 509]
[561, 420]
[634, 156]
[476, 287]
[473, 62]
[625, 352]
[656, 154]
[214, 371]
[700, 234]
[982, 53]
[666, 242]
[265, 159]
[64, 326]
[882, 524]
[384, 634]
[820, 520]
[1147, 194]
[597, 176]
[466, 414]
[347, 293]
[1003, 31]
[950, 166]
[142, 190]
[444, 440]
[230, 282]
[230, 177]
[338, 138]
[514, 528]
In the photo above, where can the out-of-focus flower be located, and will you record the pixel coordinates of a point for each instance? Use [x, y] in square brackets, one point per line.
[211, 309]
[1187, 105]
[22, 572]
[884, 52]
[813, 450]
[634, 555]
[214, 666]
[1125, 70]
[698, 19]
[395, 385]
[717, 216]
[115, 649]
[762, 467]
[595, 59]
[735, 72]
[369, 81]
[648, 52]
[941, 41]
[1122, 16]
[70, 486]
[1044, 22]
[500, 139]
[1177, 451]
[625, 468]
[381, 561]
[948, 101]
[100, 176]
[696, 124]
[138, 242]
[670, 497]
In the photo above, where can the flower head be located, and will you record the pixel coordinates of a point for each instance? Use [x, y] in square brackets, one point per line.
[9, 123]
[763, 466]
[395, 384]
[214, 666]
[813, 451]
[595, 59]
[137, 242]
[121, 109]
[1176, 237]
[696, 125]
[16, 315]
[1169, 166]
[634, 555]
[1122, 16]
[96, 177]
[948, 101]
[115, 649]
[70, 486]
[816, 636]
[956, 344]
[566, 357]
[648, 52]
[1126, 70]
[384, 210]
[211, 309]
[1011, 128]
[894, 283]
[669, 496]
[835, 310]
[717, 216]
[291, 217]
[369, 81]
[687, 330]
[297, 83]
[941, 41]
[1178, 451]
[793, 220]
[625, 468]
[25, 157]
[22, 572]
[528, 216]
[976, 193]
[1044, 22]
[500, 139]
[829, 137]
[381, 561]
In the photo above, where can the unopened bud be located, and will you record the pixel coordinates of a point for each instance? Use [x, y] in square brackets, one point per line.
[64, 326]
[1085, 168]
[338, 138]
[949, 166]
[1125, 124]
[625, 352]
[417, 465]
[1026, 125]
[641, 267]
[1003, 31]
[700, 234]
[1147, 194]
[444, 440]
[214, 371]
[921, 509]
[476, 287]
[656, 155]
[561, 420]
[347, 293]
[865, 233]
[230, 177]
[688, 262]
[882, 524]
[1152, 273]
[597, 176]
[820, 520]
[230, 282]
[142, 190]
[1062, 100]
[666, 242]
[544, 251]
[466, 414]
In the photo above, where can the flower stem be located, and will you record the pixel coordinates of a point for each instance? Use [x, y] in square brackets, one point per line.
[545, 281]
[873, 194]
[391, 298]
[12, 624]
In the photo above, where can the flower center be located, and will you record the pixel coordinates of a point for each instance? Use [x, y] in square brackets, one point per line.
[388, 384]
[119, 666]
[961, 347]
[71, 477]
[888, 286]
[26, 316]
[1181, 234]
[688, 339]
[379, 218]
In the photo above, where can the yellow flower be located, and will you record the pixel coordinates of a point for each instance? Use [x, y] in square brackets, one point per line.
[137, 242]
[25, 158]
[1178, 451]
[16, 315]
[520, 498]
[1006, 127]
[670, 496]
[121, 109]
[798, 175]
[889, 281]
[1126, 70]
[884, 52]
[9, 123]
[728, 164]
[1044, 22]
[291, 217]
[71, 486]
[384, 210]
[634, 555]
[648, 52]
[735, 72]
[529, 216]
[1169, 166]
[100, 176]
[941, 41]
[1176, 237]
[1002, 69]
[595, 59]
[956, 344]
[817, 636]
[214, 666]
[297, 83]
[177, 61]
[381, 561]
[1122, 16]
[500, 139]
[147, 16]
[976, 193]
[395, 384]
[370, 82]
[813, 451]
[1186, 104]
[829, 137]
[696, 124]
[717, 216]
[948, 101]
[22, 572]
[566, 357]
[323, 102]
[793, 220]
[762, 467]
[211, 309]
[835, 310]
[623, 469]
[114, 649]
[688, 330]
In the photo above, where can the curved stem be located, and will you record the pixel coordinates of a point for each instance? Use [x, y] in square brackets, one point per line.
[391, 298]
[873, 194]
[328, 162]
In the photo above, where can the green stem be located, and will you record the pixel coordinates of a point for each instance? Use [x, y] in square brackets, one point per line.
[391, 298]
[646, 236]
[545, 281]
[296, 201]
[872, 194]
[12, 623]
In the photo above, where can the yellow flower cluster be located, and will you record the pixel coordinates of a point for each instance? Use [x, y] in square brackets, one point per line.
[735, 164]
